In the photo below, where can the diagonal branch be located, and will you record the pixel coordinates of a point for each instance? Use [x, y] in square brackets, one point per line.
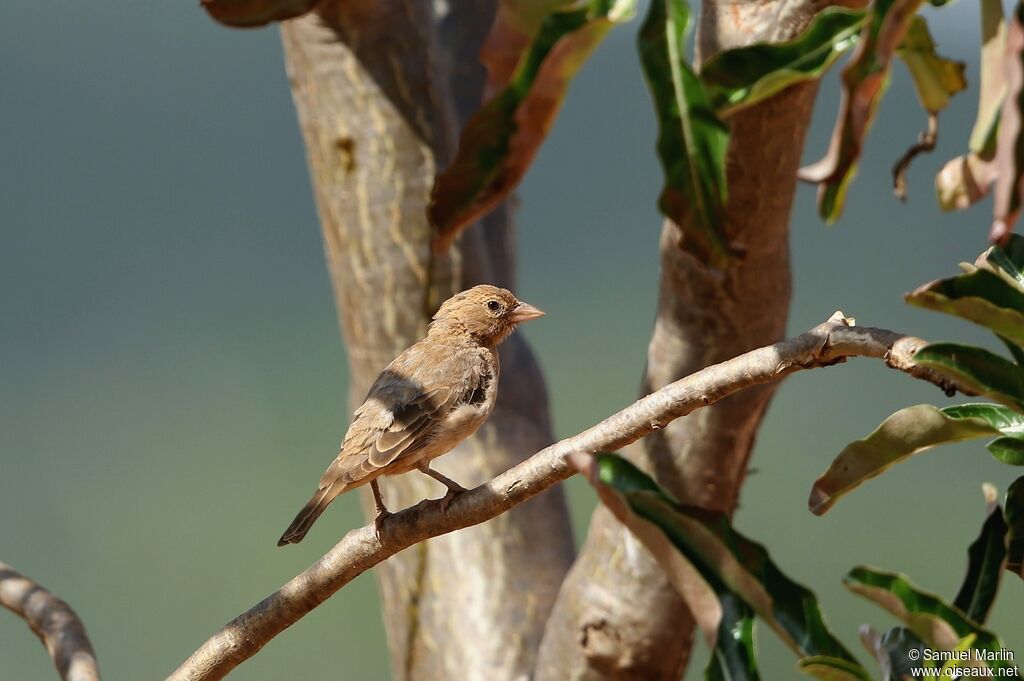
[53, 621]
[361, 549]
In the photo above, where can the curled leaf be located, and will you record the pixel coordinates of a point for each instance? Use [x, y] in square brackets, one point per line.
[864, 80]
[967, 179]
[964, 181]
[515, 25]
[692, 141]
[253, 13]
[907, 432]
[500, 141]
[743, 76]
[937, 623]
[981, 296]
[936, 78]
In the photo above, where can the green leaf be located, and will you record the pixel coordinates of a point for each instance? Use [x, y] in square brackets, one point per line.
[978, 296]
[690, 542]
[1006, 260]
[865, 80]
[515, 26]
[1009, 450]
[937, 623]
[984, 372]
[1009, 156]
[967, 179]
[953, 668]
[740, 77]
[692, 141]
[831, 668]
[985, 559]
[733, 657]
[905, 433]
[500, 141]
[936, 78]
[1003, 420]
[253, 13]
[1013, 514]
[1008, 422]
[1015, 350]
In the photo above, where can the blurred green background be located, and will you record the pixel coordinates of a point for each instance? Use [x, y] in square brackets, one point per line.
[172, 380]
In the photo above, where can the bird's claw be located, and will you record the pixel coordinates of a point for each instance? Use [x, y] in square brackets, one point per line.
[453, 491]
[378, 521]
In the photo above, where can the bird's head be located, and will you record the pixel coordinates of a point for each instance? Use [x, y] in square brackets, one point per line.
[487, 313]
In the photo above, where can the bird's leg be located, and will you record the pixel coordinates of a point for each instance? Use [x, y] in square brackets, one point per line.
[453, 487]
[378, 503]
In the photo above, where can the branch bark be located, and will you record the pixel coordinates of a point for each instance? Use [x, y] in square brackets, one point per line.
[619, 619]
[53, 621]
[825, 345]
[377, 117]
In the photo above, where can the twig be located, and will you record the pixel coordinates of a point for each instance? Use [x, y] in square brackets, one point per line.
[361, 549]
[53, 621]
[926, 141]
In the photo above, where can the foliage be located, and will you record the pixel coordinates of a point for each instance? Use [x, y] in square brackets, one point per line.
[499, 142]
[537, 46]
[692, 140]
[535, 49]
[989, 293]
[730, 582]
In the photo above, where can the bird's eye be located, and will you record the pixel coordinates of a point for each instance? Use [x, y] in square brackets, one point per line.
[493, 305]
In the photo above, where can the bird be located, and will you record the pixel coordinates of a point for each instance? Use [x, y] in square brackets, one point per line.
[430, 398]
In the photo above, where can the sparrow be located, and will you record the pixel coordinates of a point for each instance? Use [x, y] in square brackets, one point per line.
[429, 399]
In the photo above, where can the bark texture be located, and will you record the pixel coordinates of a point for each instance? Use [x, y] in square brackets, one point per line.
[617, 616]
[53, 621]
[378, 120]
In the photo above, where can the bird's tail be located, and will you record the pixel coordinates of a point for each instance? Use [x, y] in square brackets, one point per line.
[307, 516]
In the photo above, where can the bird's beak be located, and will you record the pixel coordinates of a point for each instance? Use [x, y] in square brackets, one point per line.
[524, 312]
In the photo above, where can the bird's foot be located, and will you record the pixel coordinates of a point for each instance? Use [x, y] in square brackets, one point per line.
[378, 522]
[454, 490]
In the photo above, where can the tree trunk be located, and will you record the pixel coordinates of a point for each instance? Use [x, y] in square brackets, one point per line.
[378, 120]
[616, 616]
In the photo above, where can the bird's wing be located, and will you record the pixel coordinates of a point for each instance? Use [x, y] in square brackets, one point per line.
[403, 408]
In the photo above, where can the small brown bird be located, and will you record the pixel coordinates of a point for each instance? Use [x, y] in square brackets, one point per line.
[429, 399]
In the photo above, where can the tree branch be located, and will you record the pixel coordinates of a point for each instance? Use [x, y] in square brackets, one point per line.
[359, 550]
[53, 621]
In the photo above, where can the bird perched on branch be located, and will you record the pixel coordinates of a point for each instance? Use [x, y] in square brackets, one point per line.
[429, 399]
